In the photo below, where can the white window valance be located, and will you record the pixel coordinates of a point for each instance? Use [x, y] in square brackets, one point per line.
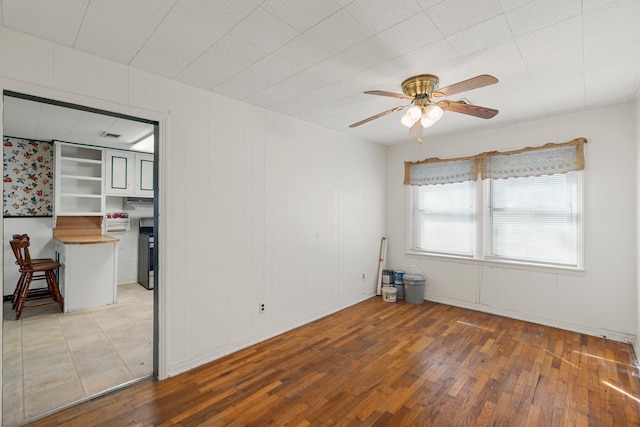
[548, 159]
[439, 171]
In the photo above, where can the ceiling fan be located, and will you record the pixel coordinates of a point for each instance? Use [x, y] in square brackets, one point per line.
[424, 109]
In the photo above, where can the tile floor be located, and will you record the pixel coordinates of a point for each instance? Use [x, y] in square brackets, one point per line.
[51, 358]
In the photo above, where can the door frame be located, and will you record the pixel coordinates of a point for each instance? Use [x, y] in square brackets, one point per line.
[161, 121]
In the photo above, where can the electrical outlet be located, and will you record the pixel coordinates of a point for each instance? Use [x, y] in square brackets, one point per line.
[364, 277]
[261, 308]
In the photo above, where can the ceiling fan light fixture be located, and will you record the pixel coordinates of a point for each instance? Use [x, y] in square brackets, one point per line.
[411, 116]
[433, 111]
[425, 121]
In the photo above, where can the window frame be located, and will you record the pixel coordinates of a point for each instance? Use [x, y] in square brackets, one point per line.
[482, 230]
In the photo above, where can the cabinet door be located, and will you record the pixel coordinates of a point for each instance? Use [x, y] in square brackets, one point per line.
[120, 173]
[144, 175]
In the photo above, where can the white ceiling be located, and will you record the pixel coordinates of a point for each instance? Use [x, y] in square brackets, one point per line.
[313, 59]
[29, 119]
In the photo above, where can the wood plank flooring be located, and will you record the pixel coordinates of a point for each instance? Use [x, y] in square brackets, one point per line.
[388, 364]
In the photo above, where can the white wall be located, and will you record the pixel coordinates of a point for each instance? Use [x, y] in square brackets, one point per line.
[259, 209]
[600, 301]
[42, 246]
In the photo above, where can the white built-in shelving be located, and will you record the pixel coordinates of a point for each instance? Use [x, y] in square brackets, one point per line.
[78, 180]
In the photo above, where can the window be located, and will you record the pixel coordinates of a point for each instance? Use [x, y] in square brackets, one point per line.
[521, 211]
[445, 218]
[535, 219]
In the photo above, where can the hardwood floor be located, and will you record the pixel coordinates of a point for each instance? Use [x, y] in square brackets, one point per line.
[380, 363]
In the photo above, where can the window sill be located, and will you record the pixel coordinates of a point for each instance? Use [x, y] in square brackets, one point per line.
[568, 271]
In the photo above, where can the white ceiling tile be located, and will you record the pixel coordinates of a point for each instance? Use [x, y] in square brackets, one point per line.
[302, 52]
[388, 74]
[481, 36]
[554, 64]
[286, 90]
[209, 71]
[610, 87]
[355, 85]
[266, 32]
[119, 28]
[588, 5]
[131, 131]
[301, 15]
[53, 20]
[495, 58]
[366, 54]
[535, 15]
[625, 57]
[514, 81]
[90, 127]
[565, 95]
[451, 16]
[623, 36]
[20, 118]
[330, 71]
[188, 31]
[427, 4]
[610, 16]
[56, 123]
[512, 4]
[377, 16]
[516, 101]
[429, 56]
[550, 36]
[338, 32]
[264, 73]
[410, 34]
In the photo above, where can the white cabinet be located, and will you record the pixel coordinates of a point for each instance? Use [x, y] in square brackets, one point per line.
[119, 172]
[88, 274]
[78, 180]
[143, 172]
[129, 174]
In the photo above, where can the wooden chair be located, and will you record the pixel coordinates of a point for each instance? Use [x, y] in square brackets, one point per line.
[20, 283]
[30, 271]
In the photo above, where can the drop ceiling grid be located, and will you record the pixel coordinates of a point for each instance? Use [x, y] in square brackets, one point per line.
[56, 21]
[118, 29]
[306, 59]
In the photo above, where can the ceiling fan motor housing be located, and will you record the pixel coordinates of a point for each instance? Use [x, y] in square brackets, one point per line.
[421, 85]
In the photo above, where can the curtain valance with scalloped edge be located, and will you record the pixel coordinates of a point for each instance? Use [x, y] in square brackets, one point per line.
[548, 159]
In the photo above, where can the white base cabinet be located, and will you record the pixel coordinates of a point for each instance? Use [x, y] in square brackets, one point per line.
[88, 274]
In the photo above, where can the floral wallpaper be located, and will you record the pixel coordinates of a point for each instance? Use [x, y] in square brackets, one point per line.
[28, 177]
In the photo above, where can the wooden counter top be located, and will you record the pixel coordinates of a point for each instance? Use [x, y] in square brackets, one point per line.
[84, 239]
[80, 230]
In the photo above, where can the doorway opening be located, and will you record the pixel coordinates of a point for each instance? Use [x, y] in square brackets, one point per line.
[54, 358]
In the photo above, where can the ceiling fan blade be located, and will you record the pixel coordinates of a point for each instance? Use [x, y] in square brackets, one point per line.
[391, 94]
[472, 83]
[469, 109]
[377, 116]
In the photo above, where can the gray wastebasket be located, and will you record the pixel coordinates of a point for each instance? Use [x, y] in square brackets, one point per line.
[414, 288]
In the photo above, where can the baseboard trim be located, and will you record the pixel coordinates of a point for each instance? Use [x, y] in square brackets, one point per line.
[541, 320]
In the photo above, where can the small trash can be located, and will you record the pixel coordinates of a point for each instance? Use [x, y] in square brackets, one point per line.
[414, 288]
